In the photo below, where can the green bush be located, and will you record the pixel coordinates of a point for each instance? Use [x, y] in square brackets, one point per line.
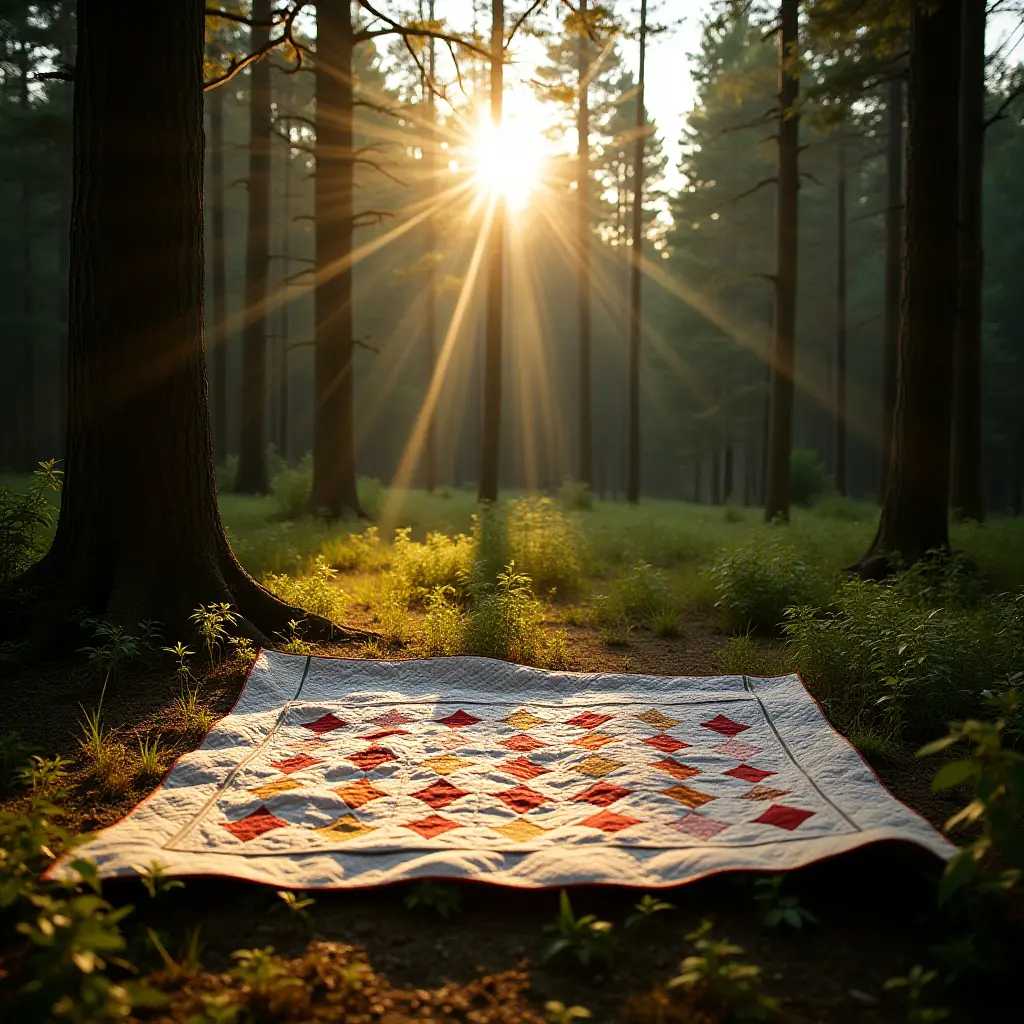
[576, 496]
[291, 487]
[808, 478]
[315, 592]
[893, 658]
[506, 620]
[744, 656]
[756, 582]
[24, 519]
[546, 544]
[641, 595]
[442, 625]
[440, 561]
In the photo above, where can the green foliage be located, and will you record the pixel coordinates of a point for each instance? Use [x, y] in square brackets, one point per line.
[745, 656]
[265, 981]
[713, 980]
[442, 625]
[913, 985]
[575, 496]
[995, 773]
[391, 611]
[155, 881]
[211, 623]
[756, 582]
[505, 621]
[645, 910]
[182, 671]
[776, 908]
[585, 939]
[291, 487]
[297, 904]
[151, 756]
[440, 561]
[14, 752]
[196, 718]
[114, 648]
[436, 898]
[559, 1013]
[809, 480]
[836, 506]
[641, 595]
[546, 543]
[315, 592]
[25, 520]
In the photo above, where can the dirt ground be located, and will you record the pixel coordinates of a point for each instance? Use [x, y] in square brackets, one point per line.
[875, 908]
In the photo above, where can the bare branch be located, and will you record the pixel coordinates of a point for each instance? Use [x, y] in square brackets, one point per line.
[371, 217]
[756, 188]
[1011, 97]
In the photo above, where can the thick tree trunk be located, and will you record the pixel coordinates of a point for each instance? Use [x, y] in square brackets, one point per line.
[585, 468]
[67, 52]
[636, 257]
[27, 455]
[491, 446]
[430, 170]
[966, 489]
[252, 449]
[894, 159]
[840, 467]
[780, 439]
[334, 468]
[139, 535]
[284, 341]
[915, 512]
[218, 340]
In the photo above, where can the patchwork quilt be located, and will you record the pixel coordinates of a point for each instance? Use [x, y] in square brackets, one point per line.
[334, 773]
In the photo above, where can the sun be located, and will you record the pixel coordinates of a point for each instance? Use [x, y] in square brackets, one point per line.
[508, 159]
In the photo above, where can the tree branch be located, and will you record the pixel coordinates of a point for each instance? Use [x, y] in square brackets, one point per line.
[756, 188]
[1000, 112]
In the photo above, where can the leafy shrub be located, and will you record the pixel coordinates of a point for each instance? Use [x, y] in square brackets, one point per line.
[744, 656]
[14, 752]
[211, 623]
[576, 496]
[506, 620]
[391, 611]
[642, 594]
[291, 487]
[434, 897]
[545, 543]
[351, 551]
[315, 592]
[808, 478]
[884, 658]
[585, 938]
[440, 561]
[24, 518]
[756, 582]
[731, 514]
[442, 626]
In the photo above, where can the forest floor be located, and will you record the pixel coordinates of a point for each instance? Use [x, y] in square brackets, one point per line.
[875, 910]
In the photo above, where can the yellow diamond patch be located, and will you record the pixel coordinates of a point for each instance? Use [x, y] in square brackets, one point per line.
[597, 766]
[522, 720]
[593, 741]
[520, 830]
[269, 789]
[656, 720]
[446, 764]
[348, 826]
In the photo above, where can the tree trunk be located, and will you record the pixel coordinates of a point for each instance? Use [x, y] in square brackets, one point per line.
[430, 244]
[840, 467]
[780, 440]
[334, 467]
[966, 489]
[636, 257]
[284, 342]
[915, 518]
[894, 159]
[139, 535]
[67, 51]
[218, 337]
[583, 242]
[491, 446]
[252, 449]
[27, 455]
[728, 482]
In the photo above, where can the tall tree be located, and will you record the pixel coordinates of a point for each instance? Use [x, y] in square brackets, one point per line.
[149, 544]
[585, 463]
[218, 343]
[780, 428]
[915, 510]
[252, 453]
[966, 491]
[841, 325]
[491, 442]
[430, 171]
[26, 451]
[334, 471]
[636, 258]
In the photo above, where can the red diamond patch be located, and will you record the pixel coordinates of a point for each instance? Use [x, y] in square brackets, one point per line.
[372, 757]
[781, 816]
[458, 721]
[609, 821]
[294, 764]
[521, 743]
[379, 734]
[390, 718]
[439, 794]
[588, 720]
[325, 723]
[252, 826]
[725, 726]
[748, 773]
[432, 825]
[665, 743]
[522, 799]
[522, 768]
[602, 794]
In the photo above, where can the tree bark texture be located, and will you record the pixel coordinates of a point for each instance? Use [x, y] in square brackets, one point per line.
[430, 170]
[491, 445]
[139, 534]
[252, 448]
[894, 160]
[636, 258]
[218, 339]
[915, 511]
[780, 427]
[586, 442]
[841, 327]
[334, 468]
[966, 488]
[27, 455]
